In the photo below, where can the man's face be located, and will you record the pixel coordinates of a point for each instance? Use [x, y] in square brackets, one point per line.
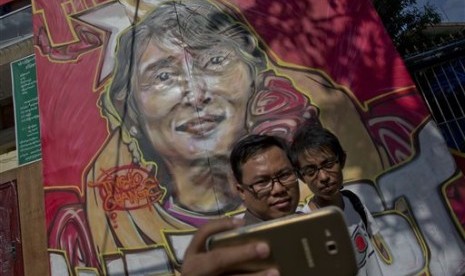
[192, 103]
[322, 172]
[282, 200]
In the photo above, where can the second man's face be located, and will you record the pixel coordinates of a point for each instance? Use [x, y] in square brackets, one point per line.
[267, 167]
[321, 171]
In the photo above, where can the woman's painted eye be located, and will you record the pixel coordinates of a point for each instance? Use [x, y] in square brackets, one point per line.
[163, 76]
[217, 60]
[217, 63]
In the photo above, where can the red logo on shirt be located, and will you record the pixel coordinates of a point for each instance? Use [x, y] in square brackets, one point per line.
[360, 243]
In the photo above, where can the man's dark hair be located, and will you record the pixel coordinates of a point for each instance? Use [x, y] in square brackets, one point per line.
[251, 145]
[311, 137]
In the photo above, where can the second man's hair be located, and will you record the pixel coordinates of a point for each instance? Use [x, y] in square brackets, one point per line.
[311, 137]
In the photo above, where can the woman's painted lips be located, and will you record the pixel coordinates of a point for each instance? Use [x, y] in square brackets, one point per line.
[201, 126]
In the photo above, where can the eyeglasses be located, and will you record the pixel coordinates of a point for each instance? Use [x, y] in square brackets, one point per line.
[264, 186]
[312, 170]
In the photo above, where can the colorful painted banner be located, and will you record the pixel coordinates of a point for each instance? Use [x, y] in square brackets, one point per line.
[141, 101]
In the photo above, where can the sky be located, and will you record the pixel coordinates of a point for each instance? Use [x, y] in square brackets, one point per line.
[450, 10]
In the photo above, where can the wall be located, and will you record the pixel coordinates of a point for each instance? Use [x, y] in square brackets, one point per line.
[32, 216]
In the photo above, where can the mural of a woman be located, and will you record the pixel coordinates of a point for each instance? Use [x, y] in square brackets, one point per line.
[190, 79]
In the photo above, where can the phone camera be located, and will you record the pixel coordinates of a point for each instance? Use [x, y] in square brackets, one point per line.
[331, 247]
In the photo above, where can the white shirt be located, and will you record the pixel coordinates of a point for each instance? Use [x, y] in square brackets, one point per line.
[365, 254]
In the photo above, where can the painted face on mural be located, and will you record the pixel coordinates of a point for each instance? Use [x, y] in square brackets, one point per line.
[192, 102]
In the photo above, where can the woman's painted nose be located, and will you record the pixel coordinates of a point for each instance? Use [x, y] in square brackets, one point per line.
[197, 93]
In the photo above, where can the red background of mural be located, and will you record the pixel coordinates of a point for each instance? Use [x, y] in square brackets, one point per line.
[347, 41]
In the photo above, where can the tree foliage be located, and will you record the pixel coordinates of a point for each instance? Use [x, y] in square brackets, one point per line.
[405, 21]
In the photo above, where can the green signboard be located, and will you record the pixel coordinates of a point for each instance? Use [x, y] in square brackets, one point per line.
[23, 73]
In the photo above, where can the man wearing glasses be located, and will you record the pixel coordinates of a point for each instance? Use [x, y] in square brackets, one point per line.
[319, 159]
[266, 180]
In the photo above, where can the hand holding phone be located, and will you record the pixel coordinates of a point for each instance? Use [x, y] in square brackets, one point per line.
[222, 261]
[305, 244]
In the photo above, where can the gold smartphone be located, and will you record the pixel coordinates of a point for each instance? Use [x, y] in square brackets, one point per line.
[303, 244]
